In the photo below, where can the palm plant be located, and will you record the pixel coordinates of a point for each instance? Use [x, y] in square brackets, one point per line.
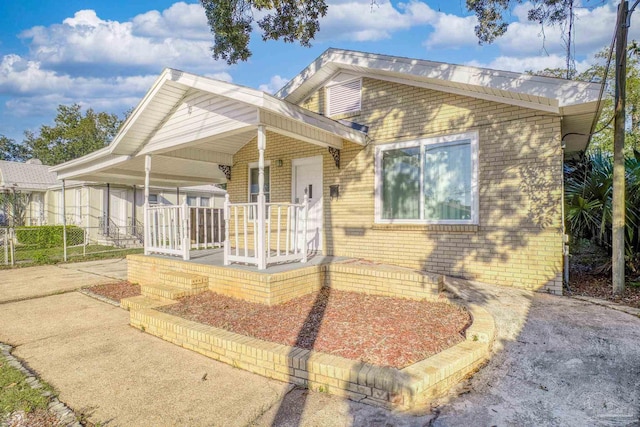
[588, 195]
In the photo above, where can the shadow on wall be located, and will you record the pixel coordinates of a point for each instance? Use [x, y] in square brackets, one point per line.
[520, 173]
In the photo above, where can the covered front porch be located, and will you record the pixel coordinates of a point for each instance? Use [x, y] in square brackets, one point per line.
[186, 131]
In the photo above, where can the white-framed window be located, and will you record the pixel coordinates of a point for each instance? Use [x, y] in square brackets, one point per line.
[253, 182]
[153, 199]
[344, 97]
[205, 202]
[428, 181]
[192, 201]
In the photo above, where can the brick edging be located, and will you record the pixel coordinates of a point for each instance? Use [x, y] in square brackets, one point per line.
[381, 386]
[87, 292]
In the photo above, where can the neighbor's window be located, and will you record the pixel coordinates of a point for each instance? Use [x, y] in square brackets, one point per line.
[429, 181]
[204, 201]
[153, 199]
[192, 201]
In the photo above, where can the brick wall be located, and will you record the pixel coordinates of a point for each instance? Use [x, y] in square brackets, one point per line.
[518, 241]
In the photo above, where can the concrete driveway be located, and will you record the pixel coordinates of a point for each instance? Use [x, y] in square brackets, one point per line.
[558, 361]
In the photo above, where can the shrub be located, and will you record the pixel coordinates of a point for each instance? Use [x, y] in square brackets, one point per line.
[49, 236]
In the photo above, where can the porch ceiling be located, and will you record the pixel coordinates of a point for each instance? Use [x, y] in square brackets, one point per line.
[193, 124]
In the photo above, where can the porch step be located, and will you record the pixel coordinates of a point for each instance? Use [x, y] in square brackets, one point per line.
[141, 302]
[167, 292]
[184, 280]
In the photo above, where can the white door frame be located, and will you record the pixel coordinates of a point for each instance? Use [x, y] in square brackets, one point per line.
[309, 161]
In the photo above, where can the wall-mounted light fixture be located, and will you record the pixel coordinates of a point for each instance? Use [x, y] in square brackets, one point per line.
[334, 191]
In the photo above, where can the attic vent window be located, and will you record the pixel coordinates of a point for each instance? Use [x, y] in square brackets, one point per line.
[344, 97]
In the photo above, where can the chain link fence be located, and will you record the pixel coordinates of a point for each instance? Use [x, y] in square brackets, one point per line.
[51, 244]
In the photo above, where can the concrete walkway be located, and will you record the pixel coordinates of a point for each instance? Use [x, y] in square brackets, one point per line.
[31, 282]
[558, 361]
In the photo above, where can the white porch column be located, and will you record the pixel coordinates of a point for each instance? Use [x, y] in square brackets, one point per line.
[227, 241]
[146, 224]
[260, 250]
[64, 222]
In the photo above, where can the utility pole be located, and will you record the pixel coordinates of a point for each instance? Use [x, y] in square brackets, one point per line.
[618, 203]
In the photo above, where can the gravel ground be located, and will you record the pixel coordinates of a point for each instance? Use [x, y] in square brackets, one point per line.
[116, 291]
[379, 330]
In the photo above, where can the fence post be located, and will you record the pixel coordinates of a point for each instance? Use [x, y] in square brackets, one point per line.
[186, 232]
[305, 218]
[64, 223]
[12, 250]
[227, 241]
[5, 243]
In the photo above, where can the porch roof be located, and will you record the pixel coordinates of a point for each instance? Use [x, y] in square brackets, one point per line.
[192, 124]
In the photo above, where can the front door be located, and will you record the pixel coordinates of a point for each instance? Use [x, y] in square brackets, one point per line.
[307, 175]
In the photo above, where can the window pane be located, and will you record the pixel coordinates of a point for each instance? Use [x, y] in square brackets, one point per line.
[447, 182]
[191, 201]
[253, 184]
[204, 201]
[401, 183]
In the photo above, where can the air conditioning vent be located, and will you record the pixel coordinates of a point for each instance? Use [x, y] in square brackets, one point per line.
[344, 97]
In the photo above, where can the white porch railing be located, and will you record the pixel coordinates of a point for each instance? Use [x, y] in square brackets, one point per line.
[167, 230]
[178, 229]
[284, 238]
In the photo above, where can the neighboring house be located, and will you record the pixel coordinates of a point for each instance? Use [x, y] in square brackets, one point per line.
[88, 205]
[23, 187]
[451, 169]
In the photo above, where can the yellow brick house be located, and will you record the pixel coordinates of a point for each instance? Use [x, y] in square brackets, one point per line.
[442, 168]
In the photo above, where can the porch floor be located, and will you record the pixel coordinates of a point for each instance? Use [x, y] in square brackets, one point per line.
[215, 257]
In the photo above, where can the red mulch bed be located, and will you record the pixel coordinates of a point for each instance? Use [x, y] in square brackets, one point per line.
[116, 291]
[378, 330]
[37, 418]
[600, 286]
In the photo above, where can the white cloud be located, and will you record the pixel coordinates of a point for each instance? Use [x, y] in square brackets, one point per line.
[360, 20]
[528, 63]
[34, 89]
[452, 32]
[186, 20]
[177, 38]
[593, 31]
[275, 84]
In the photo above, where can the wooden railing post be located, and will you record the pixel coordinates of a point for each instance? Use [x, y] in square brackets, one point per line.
[305, 218]
[227, 241]
[146, 225]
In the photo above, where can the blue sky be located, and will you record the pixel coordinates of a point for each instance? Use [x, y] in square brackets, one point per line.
[106, 54]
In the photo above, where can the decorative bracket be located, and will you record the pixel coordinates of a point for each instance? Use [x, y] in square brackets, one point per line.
[226, 170]
[335, 153]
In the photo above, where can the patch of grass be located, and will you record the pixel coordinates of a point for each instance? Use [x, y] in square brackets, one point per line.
[28, 258]
[16, 394]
